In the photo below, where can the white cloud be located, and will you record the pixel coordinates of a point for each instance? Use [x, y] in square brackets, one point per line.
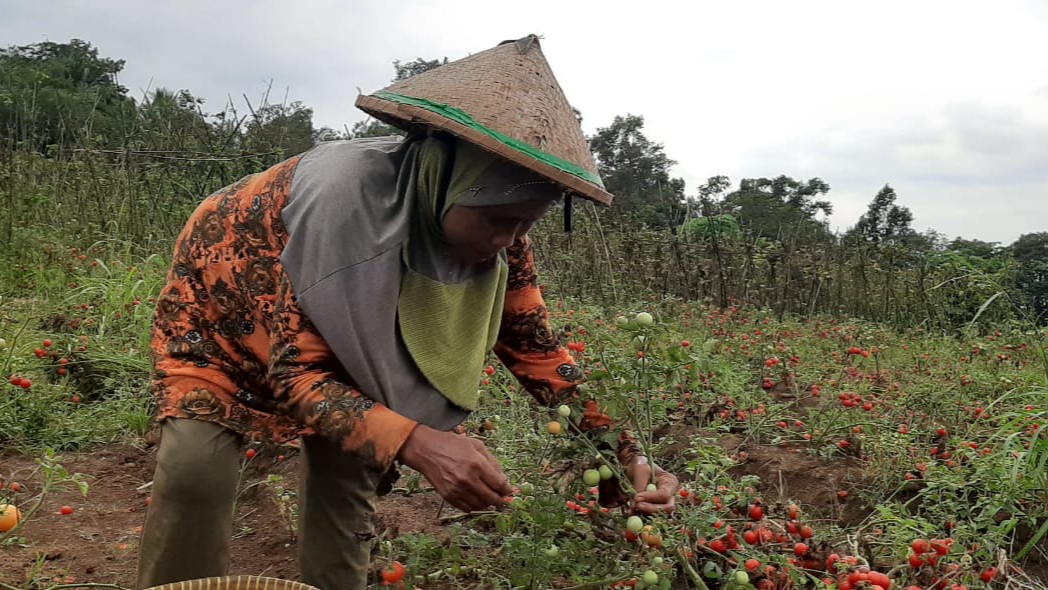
[945, 100]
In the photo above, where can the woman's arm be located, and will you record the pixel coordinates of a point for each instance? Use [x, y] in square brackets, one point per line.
[307, 382]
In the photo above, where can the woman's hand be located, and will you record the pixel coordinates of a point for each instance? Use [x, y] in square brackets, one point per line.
[460, 468]
[663, 499]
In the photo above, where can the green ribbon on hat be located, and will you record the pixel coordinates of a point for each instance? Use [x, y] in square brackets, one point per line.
[460, 116]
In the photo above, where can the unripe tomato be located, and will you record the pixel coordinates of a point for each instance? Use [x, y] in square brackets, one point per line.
[634, 524]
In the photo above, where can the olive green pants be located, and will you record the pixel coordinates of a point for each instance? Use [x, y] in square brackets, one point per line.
[189, 524]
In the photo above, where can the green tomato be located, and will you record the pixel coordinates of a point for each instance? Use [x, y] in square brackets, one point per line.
[552, 551]
[638, 343]
[3, 344]
[605, 472]
[652, 487]
[742, 578]
[621, 321]
[591, 477]
[564, 411]
[527, 488]
[634, 524]
[644, 319]
[657, 560]
[650, 578]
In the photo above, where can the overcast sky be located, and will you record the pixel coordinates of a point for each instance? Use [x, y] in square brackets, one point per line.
[947, 101]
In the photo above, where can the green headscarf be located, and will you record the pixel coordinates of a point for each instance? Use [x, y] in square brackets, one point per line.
[449, 312]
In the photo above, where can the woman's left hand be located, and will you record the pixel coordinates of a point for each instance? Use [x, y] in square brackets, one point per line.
[663, 499]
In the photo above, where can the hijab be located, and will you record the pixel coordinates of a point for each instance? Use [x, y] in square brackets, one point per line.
[370, 265]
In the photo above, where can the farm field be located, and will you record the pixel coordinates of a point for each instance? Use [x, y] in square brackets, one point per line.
[817, 453]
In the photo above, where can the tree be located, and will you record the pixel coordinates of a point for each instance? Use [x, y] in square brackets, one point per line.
[401, 71]
[284, 129]
[1031, 248]
[172, 121]
[52, 93]
[884, 222]
[413, 68]
[636, 170]
[372, 128]
[975, 248]
[1031, 253]
[769, 208]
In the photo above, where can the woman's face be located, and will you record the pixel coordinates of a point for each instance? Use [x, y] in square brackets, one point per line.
[477, 234]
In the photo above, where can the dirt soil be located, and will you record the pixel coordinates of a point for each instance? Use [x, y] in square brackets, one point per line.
[98, 542]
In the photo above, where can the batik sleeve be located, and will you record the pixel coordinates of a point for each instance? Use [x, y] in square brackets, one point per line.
[308, 381]
[527, 343]
[531, 350]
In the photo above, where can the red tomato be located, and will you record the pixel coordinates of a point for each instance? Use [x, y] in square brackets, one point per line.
[393, 574]
[879, 579]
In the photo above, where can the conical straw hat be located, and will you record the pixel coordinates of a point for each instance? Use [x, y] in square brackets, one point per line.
[506, 100]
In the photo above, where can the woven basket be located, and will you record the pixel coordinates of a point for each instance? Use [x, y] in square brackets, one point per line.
[509, 89]
[235, 583]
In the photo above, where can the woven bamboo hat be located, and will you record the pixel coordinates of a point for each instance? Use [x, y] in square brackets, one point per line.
[505, 100]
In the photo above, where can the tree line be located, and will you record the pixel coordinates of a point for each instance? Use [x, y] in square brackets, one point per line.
[74, 140]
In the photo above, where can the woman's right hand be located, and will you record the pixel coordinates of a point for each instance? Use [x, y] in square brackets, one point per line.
[460, 468]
